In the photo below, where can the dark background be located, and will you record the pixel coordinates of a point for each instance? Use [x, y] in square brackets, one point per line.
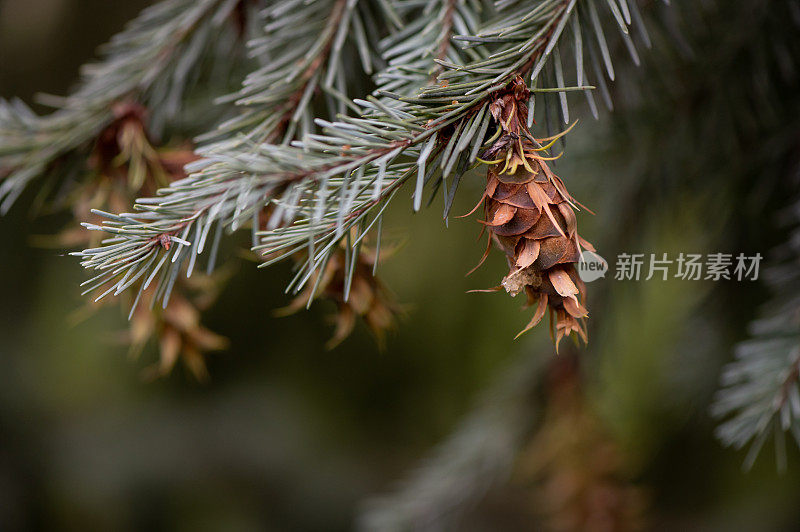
[289, 436]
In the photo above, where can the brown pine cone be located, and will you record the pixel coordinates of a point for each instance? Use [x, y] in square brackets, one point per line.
[368, 299]
[531, 217]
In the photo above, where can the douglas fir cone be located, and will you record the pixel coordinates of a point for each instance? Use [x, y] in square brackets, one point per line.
[531, 217]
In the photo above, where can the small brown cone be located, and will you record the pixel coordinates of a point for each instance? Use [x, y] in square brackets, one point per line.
[531, 217]
[177, 329]
[578, 476]
[368, 297]
[125, 164]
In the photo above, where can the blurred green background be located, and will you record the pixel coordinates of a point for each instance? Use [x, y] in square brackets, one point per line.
[289, 436]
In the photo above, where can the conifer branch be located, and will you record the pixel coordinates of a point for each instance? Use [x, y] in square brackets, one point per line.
[760, 394]
[303, 51]
[155, 61]
[341, 179]
[413, 52]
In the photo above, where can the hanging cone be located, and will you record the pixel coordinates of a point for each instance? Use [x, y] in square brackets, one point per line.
[368, 297]
[531, 217]
[577, 475]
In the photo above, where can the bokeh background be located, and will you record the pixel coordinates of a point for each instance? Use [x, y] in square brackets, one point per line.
[289, 436]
